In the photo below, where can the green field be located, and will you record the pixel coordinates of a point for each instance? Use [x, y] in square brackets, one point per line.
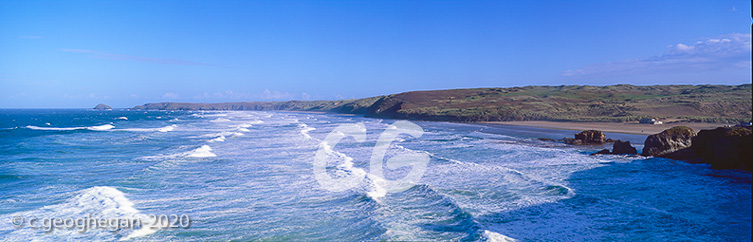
[704, 103]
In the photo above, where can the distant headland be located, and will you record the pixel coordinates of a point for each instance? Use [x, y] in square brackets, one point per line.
[618, 103]
[102, 107]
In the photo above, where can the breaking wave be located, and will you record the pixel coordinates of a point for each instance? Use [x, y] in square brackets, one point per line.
[94, 128]
[95, 202]
[202, 152]
[162, 129]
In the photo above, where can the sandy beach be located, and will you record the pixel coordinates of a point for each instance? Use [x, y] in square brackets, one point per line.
[626, 128]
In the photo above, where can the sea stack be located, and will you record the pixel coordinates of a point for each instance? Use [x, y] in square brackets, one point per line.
[587, 137]
[623, 148]
[725, 147]
[673, 143]
[619, 148]
[102, 107]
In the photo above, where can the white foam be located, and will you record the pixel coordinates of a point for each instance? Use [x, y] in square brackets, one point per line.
[224, 133]
[167, 128]
[97, 202]
[244, 127]
[122, 118]
[101, 127]
[95, 128]
[496, 237]
[115, 204]
[305, 129]
[163, 129]
[375, 184]
[202, 152]
[378, 190]
[218, 120]
[218, 139]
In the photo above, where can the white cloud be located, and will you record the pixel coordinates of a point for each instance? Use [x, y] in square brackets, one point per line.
[276, 95]
[170, 95]
[234, 95]
[724, 53]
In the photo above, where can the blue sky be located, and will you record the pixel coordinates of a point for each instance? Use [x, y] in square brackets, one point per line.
[124, 53]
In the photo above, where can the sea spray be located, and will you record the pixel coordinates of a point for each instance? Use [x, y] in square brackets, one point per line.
[202, 152]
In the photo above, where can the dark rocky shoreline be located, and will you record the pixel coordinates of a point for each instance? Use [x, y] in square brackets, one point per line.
[722, 148]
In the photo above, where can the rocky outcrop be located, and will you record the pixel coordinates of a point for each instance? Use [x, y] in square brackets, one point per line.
[588, 137]
[591, 137]
[672, 143]
[603, 152]
[619, 148]
[102, 107]
[623, 148]
[725, 147]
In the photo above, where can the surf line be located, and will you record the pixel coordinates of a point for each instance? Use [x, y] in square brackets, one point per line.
[380, 185]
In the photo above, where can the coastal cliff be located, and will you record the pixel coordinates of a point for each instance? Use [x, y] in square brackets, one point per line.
[353, 106]
[723, 147]
[705, 103]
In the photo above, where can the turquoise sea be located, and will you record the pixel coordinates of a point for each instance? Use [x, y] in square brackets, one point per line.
[247, 176]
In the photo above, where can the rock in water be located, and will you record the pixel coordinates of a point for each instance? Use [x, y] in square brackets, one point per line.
[591, 137]
[572, 141]
[725, 148]
[603, 152]
[102, 107]
[623, 148]
[669, 143]
[619, 148]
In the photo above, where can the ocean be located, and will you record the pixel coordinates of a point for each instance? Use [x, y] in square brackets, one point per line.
[289, 176]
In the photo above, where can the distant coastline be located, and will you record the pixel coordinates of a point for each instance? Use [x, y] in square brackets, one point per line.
[574, 105]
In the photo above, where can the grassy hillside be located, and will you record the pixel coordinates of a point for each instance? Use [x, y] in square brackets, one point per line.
[707, 103]
[356, 106]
